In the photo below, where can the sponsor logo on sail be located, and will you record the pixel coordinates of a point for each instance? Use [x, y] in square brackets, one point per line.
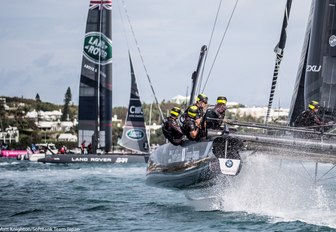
[135, 110]
[332, 41]
[313, 68]
[135, 134]
[98, 48]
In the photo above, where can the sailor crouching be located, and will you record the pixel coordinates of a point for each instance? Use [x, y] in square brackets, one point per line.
[171, 128]
[192, 126]
[309, 117]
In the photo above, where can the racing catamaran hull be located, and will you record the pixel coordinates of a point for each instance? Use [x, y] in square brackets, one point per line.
[193, 164]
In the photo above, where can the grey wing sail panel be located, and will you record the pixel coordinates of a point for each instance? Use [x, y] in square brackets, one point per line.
[95, 90]
[319, 82]
[298, 102]
[134, 135]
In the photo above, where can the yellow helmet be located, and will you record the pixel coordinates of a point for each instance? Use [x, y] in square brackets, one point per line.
[221, 99]
[192, 111]
[175, 111]
[202, 97]
[313, 104]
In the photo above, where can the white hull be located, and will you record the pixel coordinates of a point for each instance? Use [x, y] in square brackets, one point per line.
[36, 157]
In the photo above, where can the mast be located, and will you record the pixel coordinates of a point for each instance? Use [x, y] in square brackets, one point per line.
[195, 74]
[95, 90]
[279, 50]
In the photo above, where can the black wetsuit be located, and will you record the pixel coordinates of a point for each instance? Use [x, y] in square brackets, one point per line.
[308, 118]
[189, 125]
[215, 115]
[172, 131]
[200, 114]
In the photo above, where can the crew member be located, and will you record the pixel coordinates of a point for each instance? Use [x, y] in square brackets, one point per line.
[171, 127]
[192, 124]
[89, 148]
[215, 114]
[201, 104]
[309, 117]
[83, 147]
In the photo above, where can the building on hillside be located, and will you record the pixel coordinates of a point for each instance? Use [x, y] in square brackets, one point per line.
[179, 99]
[116, 120]
[45, 115]
[152, 128]
[67, 137]
[10, 135]
[259, 112]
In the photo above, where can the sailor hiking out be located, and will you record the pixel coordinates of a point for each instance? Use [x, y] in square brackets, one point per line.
[171, 127]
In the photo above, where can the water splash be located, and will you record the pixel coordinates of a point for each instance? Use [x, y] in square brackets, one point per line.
[279, 190]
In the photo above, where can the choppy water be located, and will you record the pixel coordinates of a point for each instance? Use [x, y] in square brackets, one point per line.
[114, 197]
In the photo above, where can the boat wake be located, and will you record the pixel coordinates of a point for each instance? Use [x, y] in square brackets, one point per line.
[281, 190]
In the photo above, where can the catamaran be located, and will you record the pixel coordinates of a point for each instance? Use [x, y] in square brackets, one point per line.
[95, 97]
[194, 164]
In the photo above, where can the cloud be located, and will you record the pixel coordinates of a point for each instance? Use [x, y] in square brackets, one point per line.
[41, 48]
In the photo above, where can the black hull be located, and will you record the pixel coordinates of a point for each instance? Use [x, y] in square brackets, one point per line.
[185, 166]
[186, 178]
[94, 158]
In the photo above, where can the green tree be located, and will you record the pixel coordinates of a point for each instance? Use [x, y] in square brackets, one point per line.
[66, 110]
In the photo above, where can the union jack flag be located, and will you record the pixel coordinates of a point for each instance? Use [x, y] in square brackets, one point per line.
[107, 4]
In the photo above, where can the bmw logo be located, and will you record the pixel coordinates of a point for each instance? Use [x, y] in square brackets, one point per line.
[229, 163]
[332, 41]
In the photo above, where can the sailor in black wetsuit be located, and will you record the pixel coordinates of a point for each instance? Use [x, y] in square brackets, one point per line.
[171, 127]
[192, 124]
[309, 118]
[201, 104]
[215, 114]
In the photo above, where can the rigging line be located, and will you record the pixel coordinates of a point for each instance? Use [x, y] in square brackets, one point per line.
[142, 60]
[209, 44]
[304, 168]
[327, 172]
[124, 31]
[123, 26]
[220, 45]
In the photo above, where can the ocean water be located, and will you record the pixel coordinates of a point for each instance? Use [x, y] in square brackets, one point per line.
[267, 195]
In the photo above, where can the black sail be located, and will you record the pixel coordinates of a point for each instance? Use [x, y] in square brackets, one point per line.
[95, 90]
[134, 133]
[319, 79]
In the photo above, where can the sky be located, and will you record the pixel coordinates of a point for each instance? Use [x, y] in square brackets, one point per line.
[41, 44]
